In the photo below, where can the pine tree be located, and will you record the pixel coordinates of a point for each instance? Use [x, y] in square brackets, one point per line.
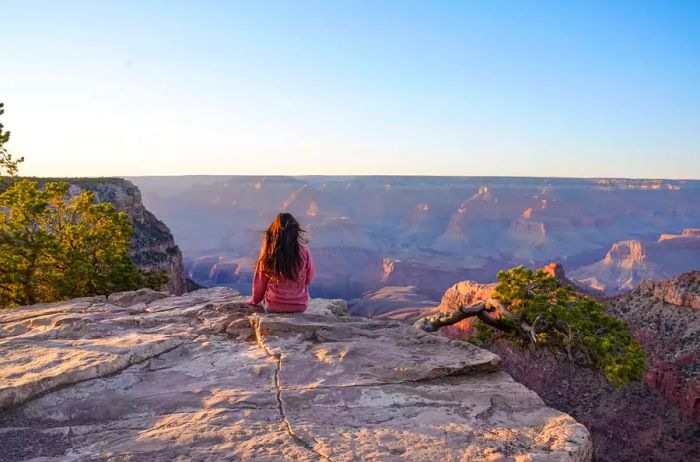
[27, 250]
[55, 247]
[8, 165]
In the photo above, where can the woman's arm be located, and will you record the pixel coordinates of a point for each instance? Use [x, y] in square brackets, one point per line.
[259, 287]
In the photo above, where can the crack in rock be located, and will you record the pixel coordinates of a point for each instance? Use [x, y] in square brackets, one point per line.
[255, 324]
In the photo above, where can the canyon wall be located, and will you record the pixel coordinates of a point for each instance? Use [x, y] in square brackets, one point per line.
[630, 262]
[153, 247]
[665, 317]
[369, 232]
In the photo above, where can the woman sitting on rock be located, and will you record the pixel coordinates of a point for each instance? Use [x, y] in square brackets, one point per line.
[284, 269]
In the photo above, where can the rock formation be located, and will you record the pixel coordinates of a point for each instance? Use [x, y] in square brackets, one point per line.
[556, 270]
[153, 247]
[463, 293]
[656, 420]
[630, 262]
[427, 232]
[218, 270]
[665, 317]
[204, 376]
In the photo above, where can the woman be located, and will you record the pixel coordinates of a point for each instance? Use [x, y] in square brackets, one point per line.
[284, 269]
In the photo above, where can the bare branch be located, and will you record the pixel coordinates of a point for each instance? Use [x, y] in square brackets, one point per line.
[441, 319]
[479, 309]
[533, 332]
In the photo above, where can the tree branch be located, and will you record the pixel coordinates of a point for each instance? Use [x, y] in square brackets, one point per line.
[496, 323]
[480, 309]
[447, 318]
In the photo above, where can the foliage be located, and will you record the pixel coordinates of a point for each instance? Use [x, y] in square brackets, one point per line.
[537, 309]
[54, 246]
[8, 165]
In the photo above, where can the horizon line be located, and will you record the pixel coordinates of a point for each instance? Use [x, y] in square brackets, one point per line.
[337, 175]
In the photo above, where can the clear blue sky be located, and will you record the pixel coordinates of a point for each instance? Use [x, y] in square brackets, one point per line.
[560, 88]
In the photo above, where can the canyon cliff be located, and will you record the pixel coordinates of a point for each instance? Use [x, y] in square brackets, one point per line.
[153, 247]
[655, 420]
[369, 232]
[205, 376]
[665, 317]
[628, 263]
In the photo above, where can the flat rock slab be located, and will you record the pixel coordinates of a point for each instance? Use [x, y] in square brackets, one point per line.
[328, 352]
[431, 420]
[205, 376]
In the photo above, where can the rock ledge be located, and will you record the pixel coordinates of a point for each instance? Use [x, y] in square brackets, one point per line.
[142, 376]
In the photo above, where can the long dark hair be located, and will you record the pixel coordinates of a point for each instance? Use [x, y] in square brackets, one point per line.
[279, 254]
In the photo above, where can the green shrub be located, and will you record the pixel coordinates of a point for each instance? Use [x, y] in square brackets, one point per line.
[538, 310]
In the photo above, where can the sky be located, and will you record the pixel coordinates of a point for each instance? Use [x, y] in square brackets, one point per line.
[514, 88]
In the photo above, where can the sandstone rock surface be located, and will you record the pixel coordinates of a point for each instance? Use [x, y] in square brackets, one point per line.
[463, 293]
[205, 376]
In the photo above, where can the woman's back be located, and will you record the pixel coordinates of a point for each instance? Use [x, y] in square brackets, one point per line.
[284, 269]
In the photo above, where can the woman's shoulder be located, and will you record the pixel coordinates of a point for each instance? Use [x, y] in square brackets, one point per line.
[304, 250]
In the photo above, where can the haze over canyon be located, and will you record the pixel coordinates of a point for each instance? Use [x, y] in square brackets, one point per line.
[415, 236]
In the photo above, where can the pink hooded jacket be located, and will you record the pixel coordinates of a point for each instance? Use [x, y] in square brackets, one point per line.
[285, 296]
